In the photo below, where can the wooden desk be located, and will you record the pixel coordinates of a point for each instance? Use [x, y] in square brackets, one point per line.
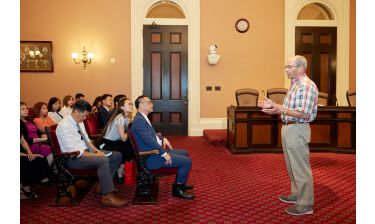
[250, 130]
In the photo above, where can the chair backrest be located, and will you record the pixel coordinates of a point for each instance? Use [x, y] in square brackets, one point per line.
[91, 125]
[51, 133]
[247, 97]
[322, 99]
[133, 142]
[350, 96]
[277, 95]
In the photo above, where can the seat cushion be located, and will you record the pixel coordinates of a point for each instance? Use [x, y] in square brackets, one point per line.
[164, 171]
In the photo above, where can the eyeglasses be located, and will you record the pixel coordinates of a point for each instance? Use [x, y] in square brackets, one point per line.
[148, 101]
[291, 66]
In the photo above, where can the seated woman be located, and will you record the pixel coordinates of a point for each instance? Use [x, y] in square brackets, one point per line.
[115, 137]
[67, 109]
[33, 167]
[36, 143]
[54, 106]
[97, 103]
[42, 120]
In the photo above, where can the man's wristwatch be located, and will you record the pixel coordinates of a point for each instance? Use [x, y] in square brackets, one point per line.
[284, 111]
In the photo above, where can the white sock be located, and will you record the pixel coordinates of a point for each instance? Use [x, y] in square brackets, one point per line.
[120, 170]
[50, 159]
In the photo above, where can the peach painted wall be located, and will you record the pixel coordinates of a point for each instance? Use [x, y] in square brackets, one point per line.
[352, 49]
[102, 26]
[253, 59]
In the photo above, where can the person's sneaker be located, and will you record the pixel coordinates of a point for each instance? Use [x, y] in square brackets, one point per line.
[299, 210]
[288, 199]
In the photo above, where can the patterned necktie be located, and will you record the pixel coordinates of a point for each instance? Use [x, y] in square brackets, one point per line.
[84, 139]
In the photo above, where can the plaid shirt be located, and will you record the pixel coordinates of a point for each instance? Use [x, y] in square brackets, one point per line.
[302, 96]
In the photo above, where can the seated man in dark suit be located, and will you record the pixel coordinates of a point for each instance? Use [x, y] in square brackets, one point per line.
[147, 139]
[103, 111]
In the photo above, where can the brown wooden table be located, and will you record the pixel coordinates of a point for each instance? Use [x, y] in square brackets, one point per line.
[250, 130]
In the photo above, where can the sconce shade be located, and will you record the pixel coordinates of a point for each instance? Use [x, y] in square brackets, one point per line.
[85, 58]
[75, 55]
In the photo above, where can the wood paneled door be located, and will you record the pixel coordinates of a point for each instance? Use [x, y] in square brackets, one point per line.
[165, 78]
[318, 45]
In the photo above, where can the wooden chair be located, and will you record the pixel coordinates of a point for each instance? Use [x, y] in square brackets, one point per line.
[322, 99]
[277, 95]
[147, 180]
[72, 184]
[247, 97]
[350, 96]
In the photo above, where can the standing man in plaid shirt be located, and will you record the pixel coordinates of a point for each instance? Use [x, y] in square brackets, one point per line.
[298, 110]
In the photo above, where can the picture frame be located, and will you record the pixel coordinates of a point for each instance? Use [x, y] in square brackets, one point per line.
[36, 56]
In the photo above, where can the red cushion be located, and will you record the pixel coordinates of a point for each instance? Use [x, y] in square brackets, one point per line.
[91, 125]
[164, 171]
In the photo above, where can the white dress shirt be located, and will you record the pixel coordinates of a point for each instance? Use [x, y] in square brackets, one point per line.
[68, 136]
[55, 116]
[65, 111]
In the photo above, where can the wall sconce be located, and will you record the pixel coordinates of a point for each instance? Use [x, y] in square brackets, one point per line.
[213, 58]
[85, 58]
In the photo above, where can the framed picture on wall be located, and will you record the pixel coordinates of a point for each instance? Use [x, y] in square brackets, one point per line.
[36, 56]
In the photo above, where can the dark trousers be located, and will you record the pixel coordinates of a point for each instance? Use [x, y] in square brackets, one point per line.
[125, 148]
[33, 171]
[181, 161]
[106, 168]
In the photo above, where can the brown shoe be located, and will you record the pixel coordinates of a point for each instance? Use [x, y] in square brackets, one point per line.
[110, 200]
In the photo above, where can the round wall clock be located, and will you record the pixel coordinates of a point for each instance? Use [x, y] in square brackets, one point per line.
[242, 25]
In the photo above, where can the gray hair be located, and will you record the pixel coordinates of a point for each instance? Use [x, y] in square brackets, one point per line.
[301, 61]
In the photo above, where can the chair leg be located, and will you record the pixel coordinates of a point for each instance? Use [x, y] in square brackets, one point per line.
[66, 190]
[147, 189]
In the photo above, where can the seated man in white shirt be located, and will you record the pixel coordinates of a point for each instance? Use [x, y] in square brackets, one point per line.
[72, 136]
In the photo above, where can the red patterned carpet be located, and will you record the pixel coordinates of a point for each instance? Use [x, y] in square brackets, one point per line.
[229, 189]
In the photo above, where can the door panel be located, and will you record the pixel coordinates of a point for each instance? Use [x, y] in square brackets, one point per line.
[166, 77]
[318, 45]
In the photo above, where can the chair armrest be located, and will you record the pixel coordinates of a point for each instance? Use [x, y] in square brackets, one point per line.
[95, 136]
[68, 154]
[155, 151]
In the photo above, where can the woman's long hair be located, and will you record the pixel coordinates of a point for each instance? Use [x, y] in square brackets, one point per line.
[116, 112]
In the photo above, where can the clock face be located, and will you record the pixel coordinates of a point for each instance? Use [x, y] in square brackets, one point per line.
[242, 25]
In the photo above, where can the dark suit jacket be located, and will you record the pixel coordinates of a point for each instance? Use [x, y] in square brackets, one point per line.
[102, 117]
[145, 137]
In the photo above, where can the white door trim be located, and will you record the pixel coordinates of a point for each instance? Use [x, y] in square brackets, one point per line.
[340, 10]
[191, 9]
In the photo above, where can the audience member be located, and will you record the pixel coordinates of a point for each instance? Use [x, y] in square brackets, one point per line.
[72, 136]
[115, 136]
[41, 119]
[54, 107]
[299, 109]
[117, 98]
[68, 102]
[36, 143]
[147, 139]
[33, 168]
[96, 104]
[103, 111]
[79, 96]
